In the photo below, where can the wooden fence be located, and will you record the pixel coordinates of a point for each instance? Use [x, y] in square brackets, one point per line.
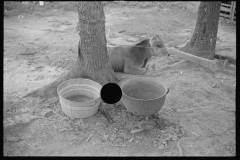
[228, 10]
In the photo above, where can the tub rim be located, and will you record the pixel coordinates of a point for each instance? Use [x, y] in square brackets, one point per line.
[167, 89]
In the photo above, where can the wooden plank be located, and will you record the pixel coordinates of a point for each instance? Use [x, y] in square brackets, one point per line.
[225, 5]
[213, 65]
[195, 59]
[232, 12]
[234, 4]
[225, 9]
[233, 17]
[224, 15]
[228, 9]
[226, 2]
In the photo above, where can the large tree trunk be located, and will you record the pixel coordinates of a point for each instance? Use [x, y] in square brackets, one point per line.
[203, 41]
[93, 61]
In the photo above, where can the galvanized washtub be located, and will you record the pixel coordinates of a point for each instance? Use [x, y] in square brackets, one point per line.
[79, 98]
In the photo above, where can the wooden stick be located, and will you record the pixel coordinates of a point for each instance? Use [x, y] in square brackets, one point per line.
[210, 64]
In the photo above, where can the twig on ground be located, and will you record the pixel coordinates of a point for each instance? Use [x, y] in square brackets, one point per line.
[55, 107]
[54, 126]
[57, 113]
[136, 130]
[89, 137]
[23, 99]
[179, 149]
[46, 118]
[64, 118]
[117, 145]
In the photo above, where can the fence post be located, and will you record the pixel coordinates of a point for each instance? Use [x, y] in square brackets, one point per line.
[233, 10]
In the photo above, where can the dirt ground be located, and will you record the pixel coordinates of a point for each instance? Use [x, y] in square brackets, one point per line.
[197, 119]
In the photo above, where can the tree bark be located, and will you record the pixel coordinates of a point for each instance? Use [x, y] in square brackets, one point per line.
[203, 41]
[93, 61]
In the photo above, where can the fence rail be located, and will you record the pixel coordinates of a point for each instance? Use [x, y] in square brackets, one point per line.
[228, 11]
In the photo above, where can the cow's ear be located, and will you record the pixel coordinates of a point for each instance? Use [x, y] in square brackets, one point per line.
[152, 40]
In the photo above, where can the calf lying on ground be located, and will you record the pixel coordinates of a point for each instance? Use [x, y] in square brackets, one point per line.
[133, 59]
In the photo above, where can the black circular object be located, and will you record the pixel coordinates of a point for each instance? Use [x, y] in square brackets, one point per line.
[111, 93]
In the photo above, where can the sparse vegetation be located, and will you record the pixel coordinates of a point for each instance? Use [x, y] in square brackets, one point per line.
[197, 119]
[33, 6]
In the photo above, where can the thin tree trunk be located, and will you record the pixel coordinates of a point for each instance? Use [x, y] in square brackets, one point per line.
[203, 41]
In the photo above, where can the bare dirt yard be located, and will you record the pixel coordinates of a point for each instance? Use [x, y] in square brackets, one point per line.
[40, 43]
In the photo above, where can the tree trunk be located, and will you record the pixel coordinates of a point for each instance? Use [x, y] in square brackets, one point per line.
[203, 41]
[93, 61]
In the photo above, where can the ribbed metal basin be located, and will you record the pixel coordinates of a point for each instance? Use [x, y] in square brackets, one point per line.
[143, 95]
[79, 98]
